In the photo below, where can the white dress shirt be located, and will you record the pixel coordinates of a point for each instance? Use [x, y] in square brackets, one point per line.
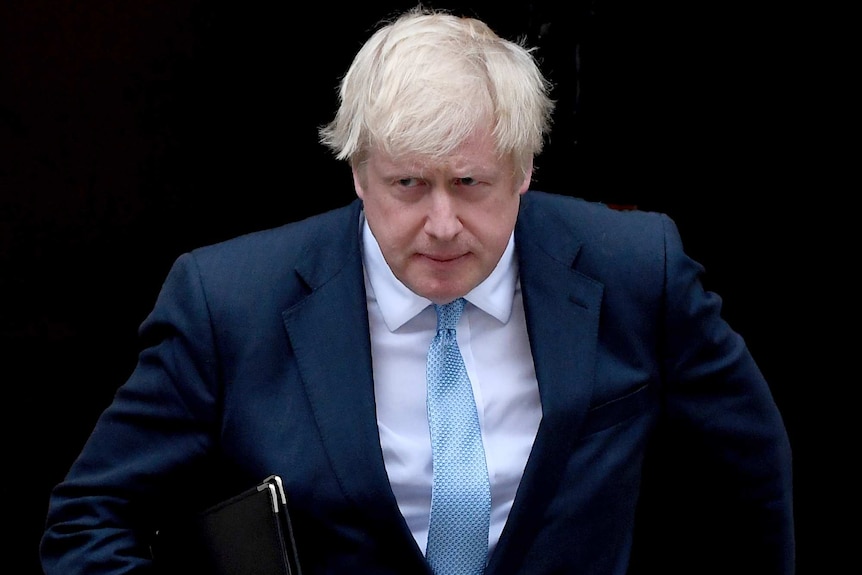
[493, 340]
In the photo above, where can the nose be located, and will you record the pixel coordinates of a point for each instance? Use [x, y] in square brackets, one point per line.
[442, 221]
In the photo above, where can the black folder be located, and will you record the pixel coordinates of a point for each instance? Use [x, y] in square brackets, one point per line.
[248, 534]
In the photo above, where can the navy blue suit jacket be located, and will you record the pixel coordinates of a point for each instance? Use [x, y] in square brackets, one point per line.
[256, 360]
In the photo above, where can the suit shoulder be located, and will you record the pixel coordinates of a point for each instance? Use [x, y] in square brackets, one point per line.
[258, 270]
[290, 241]
[591, 221]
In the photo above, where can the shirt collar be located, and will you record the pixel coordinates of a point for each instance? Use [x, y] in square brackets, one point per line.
[398, 304]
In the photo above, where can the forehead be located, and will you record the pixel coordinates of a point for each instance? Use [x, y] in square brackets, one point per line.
[477, 153]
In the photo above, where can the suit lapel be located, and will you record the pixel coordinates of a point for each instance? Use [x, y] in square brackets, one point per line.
[562, 312]
[329, 335]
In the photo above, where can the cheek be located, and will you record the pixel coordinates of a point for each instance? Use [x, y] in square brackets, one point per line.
[394, 226]
[493, 224]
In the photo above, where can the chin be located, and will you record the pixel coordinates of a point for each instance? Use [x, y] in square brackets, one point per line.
[440, 288]
[441, 296]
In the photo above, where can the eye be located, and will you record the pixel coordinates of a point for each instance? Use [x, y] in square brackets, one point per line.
[408, 182]
[466, 181]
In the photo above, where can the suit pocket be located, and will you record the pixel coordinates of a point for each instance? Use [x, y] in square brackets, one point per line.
[617, 410]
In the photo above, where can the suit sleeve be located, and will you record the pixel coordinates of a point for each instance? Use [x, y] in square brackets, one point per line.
[732, 449]
[160, 424]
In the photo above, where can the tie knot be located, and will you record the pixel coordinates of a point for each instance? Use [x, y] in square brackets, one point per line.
[449, 314]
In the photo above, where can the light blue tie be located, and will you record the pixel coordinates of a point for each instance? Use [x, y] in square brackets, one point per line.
[461, 495]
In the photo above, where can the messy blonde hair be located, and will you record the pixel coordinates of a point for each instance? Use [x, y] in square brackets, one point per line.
[427, 80]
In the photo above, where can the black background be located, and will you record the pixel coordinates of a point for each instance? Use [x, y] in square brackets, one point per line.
[133, 131]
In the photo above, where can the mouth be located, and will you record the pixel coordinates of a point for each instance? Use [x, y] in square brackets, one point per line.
[443, 258]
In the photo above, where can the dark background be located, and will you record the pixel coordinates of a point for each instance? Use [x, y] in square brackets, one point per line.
[133, 131]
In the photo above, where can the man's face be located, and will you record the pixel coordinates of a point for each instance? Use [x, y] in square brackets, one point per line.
[443, 225]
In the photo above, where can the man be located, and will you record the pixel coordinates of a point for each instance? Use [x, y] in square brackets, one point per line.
[586, 340]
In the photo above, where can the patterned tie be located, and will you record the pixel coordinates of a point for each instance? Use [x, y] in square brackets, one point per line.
[461, 495]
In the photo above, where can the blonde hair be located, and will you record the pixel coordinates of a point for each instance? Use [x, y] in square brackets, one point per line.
[427, 80]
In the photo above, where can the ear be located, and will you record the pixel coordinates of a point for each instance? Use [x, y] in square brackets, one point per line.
[357, 183]
[528, 177]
